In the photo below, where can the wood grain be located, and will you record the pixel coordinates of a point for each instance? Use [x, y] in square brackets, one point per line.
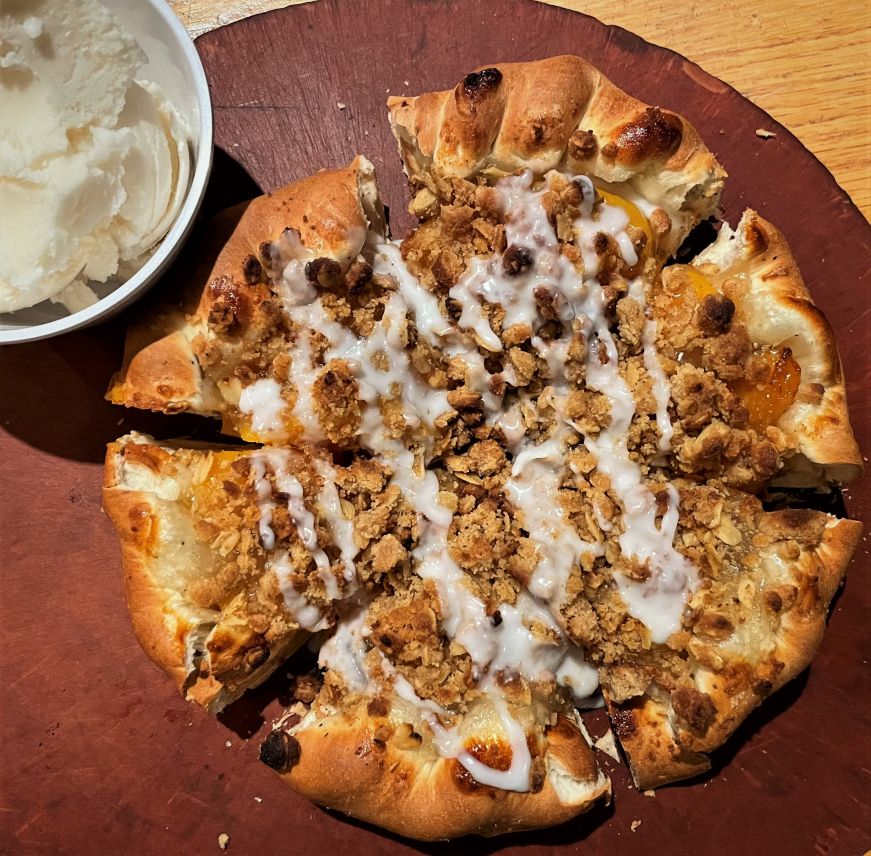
[806, 62]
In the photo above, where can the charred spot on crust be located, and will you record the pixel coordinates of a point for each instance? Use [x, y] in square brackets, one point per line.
[280, 751]
[479, 84]
[516, 260]
[715, 314]
[327, 273]
[252, 270]
[653, 135]
[582, 145]
[797, 518]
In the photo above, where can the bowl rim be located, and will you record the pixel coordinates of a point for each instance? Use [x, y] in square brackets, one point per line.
[181, 226]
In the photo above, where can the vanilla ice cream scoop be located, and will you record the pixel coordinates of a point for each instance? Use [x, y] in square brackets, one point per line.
[94, 164]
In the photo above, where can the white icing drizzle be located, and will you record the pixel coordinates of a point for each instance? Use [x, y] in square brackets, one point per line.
[303, 375]
[345, 651]
[262, 401]
[264, 502]
[305, 613]
[534, 488]
[449, 742]
[424, 305]
[658, 602]
[306, 528]
[512, 426]
[342, 529]
[421, 404]
[516, 777]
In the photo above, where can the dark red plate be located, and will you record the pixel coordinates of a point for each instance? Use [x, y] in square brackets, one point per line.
[101, 755]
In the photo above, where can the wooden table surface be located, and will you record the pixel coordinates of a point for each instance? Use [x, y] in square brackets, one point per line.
[806, 62]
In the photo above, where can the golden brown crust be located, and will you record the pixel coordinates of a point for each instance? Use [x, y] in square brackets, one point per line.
[358, 764]
[560, 113]
[757, 270]
[328, 213]
[654, 757]
[164, 375]
[160, 632]
[667, 736]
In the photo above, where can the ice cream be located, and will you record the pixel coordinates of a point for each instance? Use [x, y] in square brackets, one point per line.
[94, 163]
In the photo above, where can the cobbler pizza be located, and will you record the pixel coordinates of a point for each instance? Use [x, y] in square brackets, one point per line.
[497, 472]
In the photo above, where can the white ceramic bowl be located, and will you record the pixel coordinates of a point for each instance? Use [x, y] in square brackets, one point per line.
[174, 63]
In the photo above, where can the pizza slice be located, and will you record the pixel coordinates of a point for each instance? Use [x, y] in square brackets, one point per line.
[515, 756]
[447, 697]
[233, 557]
[560, 114]
[753, 626]
[228, 358]
[758, 364]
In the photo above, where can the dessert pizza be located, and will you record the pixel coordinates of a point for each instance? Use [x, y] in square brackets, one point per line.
[516, 465]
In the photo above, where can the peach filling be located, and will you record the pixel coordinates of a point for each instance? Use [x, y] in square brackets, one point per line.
[768, 399]
[636, 218]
